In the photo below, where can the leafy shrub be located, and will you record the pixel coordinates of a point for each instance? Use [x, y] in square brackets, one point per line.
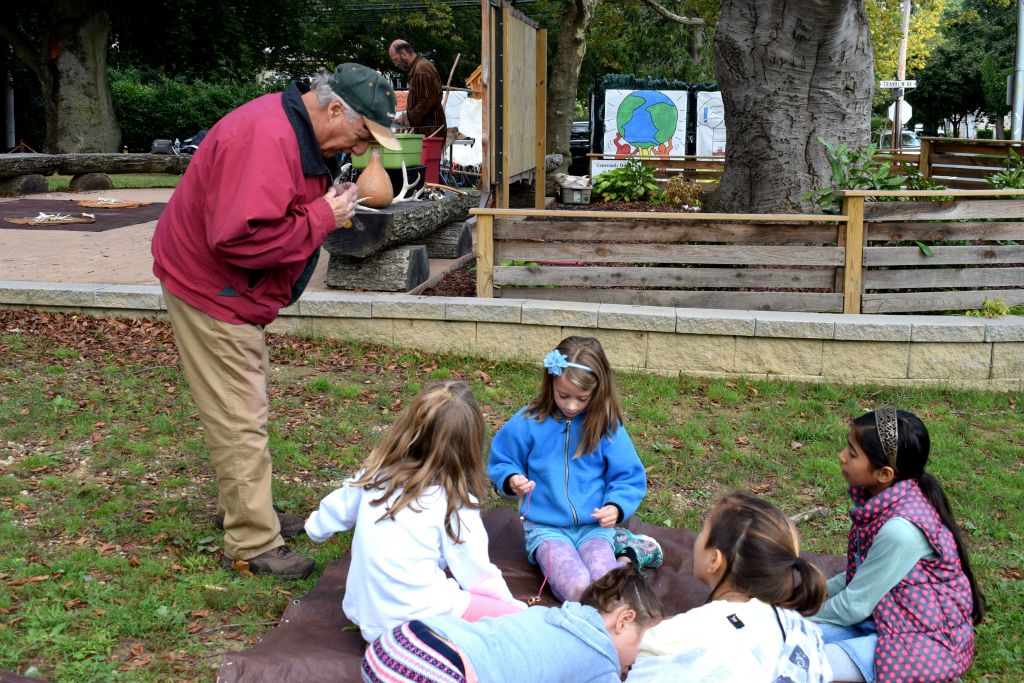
[678, 190]
[852, 169]
[154, 106]
[632, 182]
[1012, 174]
[995, 308]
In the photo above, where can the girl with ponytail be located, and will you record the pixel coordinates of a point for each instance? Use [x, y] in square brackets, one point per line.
[752, 627]
[906, 607]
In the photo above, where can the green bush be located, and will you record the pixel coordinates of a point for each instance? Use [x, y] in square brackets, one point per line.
[150, 107]
[678, 190]
[629, 183]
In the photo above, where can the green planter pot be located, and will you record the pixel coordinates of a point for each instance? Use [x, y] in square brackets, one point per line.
[411, 153]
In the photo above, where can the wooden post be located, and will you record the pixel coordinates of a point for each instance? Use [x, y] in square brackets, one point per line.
[923, 163]
[853, 271]
[485, 255]
[506, 96]
[540, 116]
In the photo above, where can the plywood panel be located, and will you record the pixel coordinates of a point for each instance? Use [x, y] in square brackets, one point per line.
[520, 94]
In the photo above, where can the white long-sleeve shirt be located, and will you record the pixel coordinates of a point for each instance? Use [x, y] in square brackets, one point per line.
[397, 569]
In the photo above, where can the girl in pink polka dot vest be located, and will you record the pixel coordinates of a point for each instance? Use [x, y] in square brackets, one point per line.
[905, 609]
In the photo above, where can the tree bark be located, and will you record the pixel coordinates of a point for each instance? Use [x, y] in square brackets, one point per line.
[565, 75]
[70, 62]
[789, 73]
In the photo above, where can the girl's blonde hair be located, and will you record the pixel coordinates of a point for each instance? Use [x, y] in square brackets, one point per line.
[603, 413]
[437, 441]
[761, 551]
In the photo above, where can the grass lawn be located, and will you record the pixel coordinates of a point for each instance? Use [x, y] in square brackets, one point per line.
[120, 181]
[108, 554]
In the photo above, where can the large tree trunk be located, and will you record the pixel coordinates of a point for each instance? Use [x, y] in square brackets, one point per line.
[789, 72]
[565, 75]
[70, 61]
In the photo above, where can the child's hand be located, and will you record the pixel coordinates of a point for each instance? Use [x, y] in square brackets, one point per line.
[606, 516]
[520, 485]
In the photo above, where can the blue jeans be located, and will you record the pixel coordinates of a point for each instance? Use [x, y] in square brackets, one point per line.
[858, 641]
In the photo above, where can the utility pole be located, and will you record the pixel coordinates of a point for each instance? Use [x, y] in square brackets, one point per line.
[901, 74]
[1018, 77]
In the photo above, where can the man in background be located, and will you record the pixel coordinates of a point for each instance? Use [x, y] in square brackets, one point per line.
[423, 112]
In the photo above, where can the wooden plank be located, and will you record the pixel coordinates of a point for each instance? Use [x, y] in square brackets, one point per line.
[668, 253]
[960, 184]
[666, 215]
[913, 256]
[484, 256]
[647, 231]
[939, 278]
[939, 147]
[917, 302]
[924, 165]
[967, 160]
[896, 232]
[625, 276]
[972, 173]
[853, 208]
[980, 208]
[811, 302]
[978, 193]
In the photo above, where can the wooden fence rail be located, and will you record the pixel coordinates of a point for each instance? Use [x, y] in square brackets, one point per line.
[928, 251]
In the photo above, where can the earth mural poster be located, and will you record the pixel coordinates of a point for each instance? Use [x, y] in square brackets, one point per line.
[645, 122]
[710, 124]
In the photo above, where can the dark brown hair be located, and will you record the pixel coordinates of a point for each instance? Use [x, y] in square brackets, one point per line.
[438, 440]
[603, 413]
[624, 586]
[761, 549]
[912, 450]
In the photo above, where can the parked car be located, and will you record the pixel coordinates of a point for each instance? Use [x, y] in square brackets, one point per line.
[579, 147]
[910, 139]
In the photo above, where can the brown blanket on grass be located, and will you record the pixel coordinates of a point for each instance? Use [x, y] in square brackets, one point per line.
[311, 643]
[106, 218]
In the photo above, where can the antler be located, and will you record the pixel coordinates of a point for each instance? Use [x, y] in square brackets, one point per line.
[406, 187]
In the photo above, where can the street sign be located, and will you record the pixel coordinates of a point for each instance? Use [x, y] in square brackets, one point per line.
[897, 84]
[906, 112]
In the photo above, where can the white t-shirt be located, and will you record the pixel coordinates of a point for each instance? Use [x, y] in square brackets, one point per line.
[732, 641]
[397, 569]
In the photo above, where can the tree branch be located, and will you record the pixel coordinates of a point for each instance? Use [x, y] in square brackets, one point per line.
[671, 16]
[22, 47]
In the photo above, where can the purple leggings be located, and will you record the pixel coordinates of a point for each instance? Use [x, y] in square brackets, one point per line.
[568, 572]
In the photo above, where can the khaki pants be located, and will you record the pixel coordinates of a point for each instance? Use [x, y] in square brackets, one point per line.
[227, 367]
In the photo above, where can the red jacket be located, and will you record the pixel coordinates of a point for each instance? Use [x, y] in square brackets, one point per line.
[242, 232]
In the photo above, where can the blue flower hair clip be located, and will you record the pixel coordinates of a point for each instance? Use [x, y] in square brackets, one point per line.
[556, 361]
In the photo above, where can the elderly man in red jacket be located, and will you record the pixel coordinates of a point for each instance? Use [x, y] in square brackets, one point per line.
[237, 242]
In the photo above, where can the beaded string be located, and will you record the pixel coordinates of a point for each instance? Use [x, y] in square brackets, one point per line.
[532, 599]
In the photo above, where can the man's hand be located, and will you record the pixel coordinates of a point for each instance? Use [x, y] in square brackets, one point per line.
[400, 117]
[342, 198]
[606, 516]
[520, 485]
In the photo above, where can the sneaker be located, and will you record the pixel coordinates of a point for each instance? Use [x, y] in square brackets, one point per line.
[282, 562]
[642, 551]
[291, 525]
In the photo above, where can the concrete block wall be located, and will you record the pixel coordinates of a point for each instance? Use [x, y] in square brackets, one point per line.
[949, 351]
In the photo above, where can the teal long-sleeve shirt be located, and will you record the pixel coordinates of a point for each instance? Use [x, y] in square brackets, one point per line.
[898, 546]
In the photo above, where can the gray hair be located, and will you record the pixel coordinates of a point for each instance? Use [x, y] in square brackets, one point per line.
[325, 95]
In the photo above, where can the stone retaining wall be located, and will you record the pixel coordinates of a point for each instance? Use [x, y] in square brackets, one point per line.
[808, 347]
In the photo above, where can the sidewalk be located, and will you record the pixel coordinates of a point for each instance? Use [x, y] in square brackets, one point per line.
[120, 256]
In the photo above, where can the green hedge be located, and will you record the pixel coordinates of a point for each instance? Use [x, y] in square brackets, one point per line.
[159, 107]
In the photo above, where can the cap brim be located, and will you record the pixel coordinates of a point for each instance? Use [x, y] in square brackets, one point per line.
[383, 134]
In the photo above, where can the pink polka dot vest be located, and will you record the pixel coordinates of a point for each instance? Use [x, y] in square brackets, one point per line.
[924, 624]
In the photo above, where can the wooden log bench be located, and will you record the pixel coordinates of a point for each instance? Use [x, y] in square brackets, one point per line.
[26, 173]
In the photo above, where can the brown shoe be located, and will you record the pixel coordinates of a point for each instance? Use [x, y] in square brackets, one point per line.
[291, 525]
[282, 562]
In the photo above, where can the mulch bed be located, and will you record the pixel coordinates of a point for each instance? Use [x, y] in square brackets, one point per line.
[458, 282]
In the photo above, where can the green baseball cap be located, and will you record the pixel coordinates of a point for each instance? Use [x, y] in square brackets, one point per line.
[370, 94]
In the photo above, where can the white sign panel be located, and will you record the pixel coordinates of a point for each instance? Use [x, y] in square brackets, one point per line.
[710, 124]
[906, 112]
[645, 122]
[599, 166]
[897, 84]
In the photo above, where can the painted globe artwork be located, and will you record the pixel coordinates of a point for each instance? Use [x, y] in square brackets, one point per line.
[646, 119]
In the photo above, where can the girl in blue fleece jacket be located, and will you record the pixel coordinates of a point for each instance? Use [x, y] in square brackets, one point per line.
[569, 458]
[592, 641]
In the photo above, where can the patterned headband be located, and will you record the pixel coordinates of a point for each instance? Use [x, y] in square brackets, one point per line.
[887, 425]
[556, 361]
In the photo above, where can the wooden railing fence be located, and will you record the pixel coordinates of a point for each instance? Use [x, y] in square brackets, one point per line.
[918, 254]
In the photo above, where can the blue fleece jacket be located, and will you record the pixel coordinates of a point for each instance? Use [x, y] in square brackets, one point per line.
[568, 489]
[567, 644]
